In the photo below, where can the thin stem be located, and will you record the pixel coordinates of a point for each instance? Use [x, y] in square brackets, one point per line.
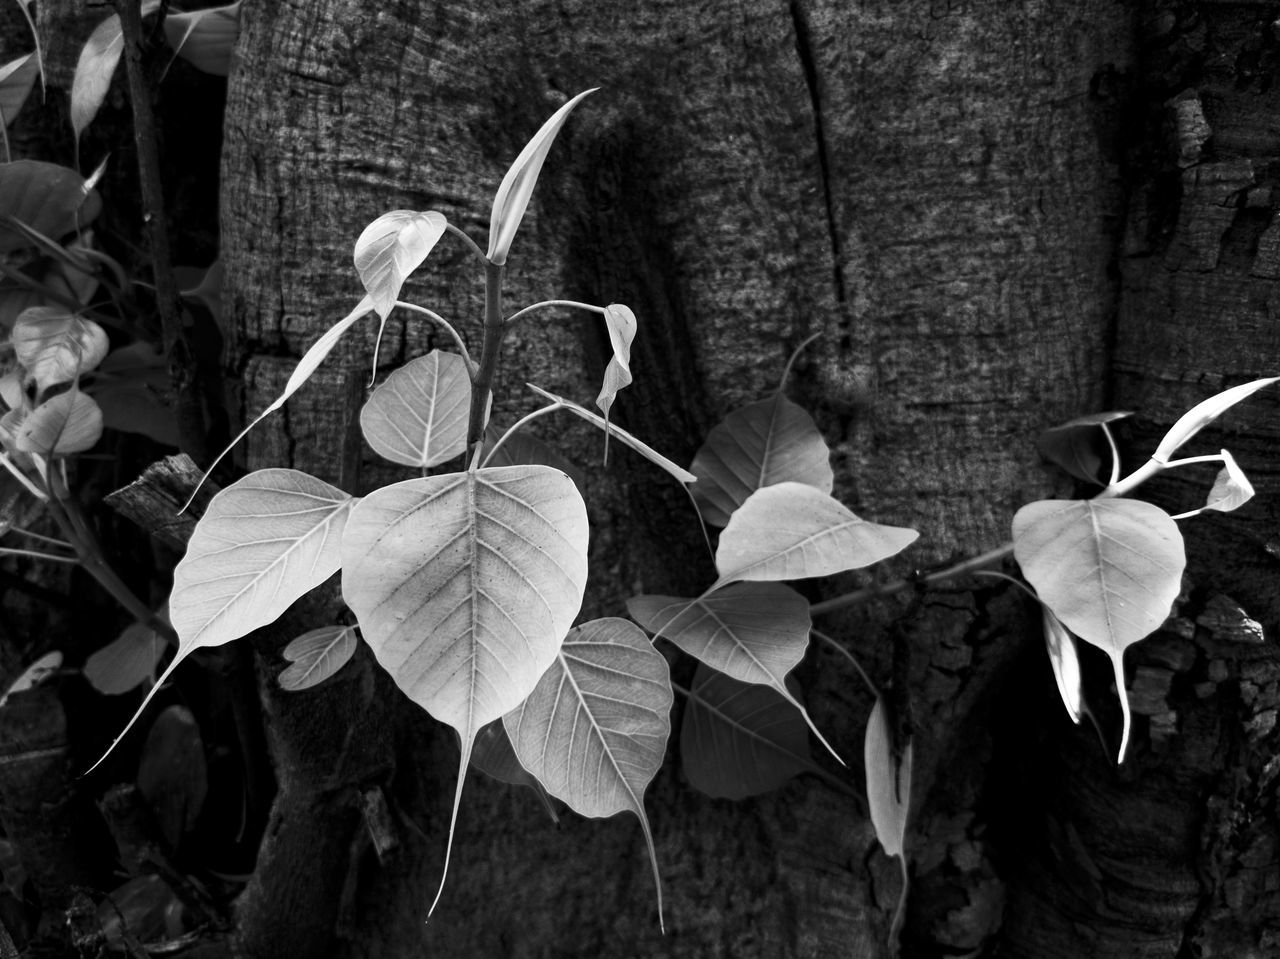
[467, 240]
[36, 554]
[21, 477]
[1115, 454]
[1135, 479]
[831, 643]
[42, 539]
[527, 418]
[441, 321]
[490, 349]
[571, 304]
[1189, 460]
[791, 361]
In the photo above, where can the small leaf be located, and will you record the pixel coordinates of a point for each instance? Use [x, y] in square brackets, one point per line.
[70, 422]
[209, 288]
[753, 632]
[465, 585]
[316, 655]
[494, 756]
[34, 675]
[55, 346]
[1109, 569]
[739, 740]
[392, 247]
[522, 448]
[46, 198]
[97, 63]
[1231, 489]
[418, 416]
[767, 442]
[1079, 445]
[126, 662]
[205, 38]
[512, 198]
[794, 531]
[596, 726]
[1065, 660]
[888, 782]
[1204, 413]
[621, 324]
[131, 386]
[17, 77]
[172, 776]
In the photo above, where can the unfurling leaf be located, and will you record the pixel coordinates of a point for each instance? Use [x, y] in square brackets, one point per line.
[512, 198]
[739, 739]
[1079, 445]
[1231, 489]
[16, 79]
[392, 247]
[97, 63]
[56, 346]
[621, 323]
[763, 443]
[263, 542]
[1109, 569]
[67, 423]
[465, 585]
[1204, 413]
[595, 728]
[45, 199]
[753, 632]
[418, 416]
[888, 782]
[126, 662]
[172, 775]
[315, 656]
[794, 531]
[1065, 660]
[205, 38]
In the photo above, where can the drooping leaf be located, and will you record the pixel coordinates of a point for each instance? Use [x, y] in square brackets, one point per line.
[55, 346]
[67, 423]
[264, 541]
[739, 739]
[172, 775]
[522, 448]
[1204, 413]
[17, 77]
[205, 38]
[1079, 446]
[316, 655]
[767, 442]
[595, 728]
[46, 198]
[494, 756]
[465, 585]
[392, 247]
[753, 632]
[1064, 658]
[1109, 569]
[418, 415]
[1231, 489]
[794, 531]
[621, 324]
[34, 675]
[888, 782]
[94, 69]
[126, 662]
[652, 455]
[512, 198]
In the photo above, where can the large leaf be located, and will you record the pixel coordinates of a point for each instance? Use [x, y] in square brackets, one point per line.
[49, 199]
[754, 632]
[315, 656]
[263, 542]
[1109, 569]
[56, 346]
[888, 782]
[595, 728]
[465, 585]
[205, 38]
[97, 63]
[512, 198]
[763, 443]
[392, 247]
[738, 739]
[67, 423]
[794, 531]
[418, 416]
[1204, 413]
[16, 79]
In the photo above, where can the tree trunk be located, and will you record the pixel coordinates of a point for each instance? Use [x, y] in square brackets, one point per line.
[977, 207]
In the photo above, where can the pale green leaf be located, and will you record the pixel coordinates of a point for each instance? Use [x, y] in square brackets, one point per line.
[595, 728]
[1204, 413]
[46, 199]
[316, 655]
[1064, 658]
[512, 198]
[795, 531]
[17, 77]
[621, 324]
[55, 346]
[1109, 569]
[418, 415]
[205, 38]
[465, 585]
[738, 739]
[67, 423]
[97, 63]
[392, 247]
[888, 782]
[763, 443]
[126, 662]
[753, 632]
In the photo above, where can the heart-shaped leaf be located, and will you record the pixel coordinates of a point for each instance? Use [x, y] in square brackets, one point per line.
[1231, 489]
[126, 662]
[595, 728]
[97, 63]
[465, 585]
[1079, 446]
[739, 739]
[888, 782]
[264, 541]
[763, 443]
[316, 655]
[205, 38]
[621, 324]
[1065, 660]
[512, 198]
[753, 632]
[55, 346]
[794, 531]
[392, 247]
[70, 422]
[418, 416]
[1204, 413]
[1109, 569]
[47, 199]
[16, 80]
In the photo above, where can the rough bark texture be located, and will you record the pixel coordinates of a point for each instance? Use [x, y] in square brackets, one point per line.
[938, 189]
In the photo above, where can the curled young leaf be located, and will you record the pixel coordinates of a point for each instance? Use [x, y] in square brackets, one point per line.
[1065, 660]
[888, 782]
[1204, 413]
[418, 415]
[621, 323]
[392, 247]
[1231, 489]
